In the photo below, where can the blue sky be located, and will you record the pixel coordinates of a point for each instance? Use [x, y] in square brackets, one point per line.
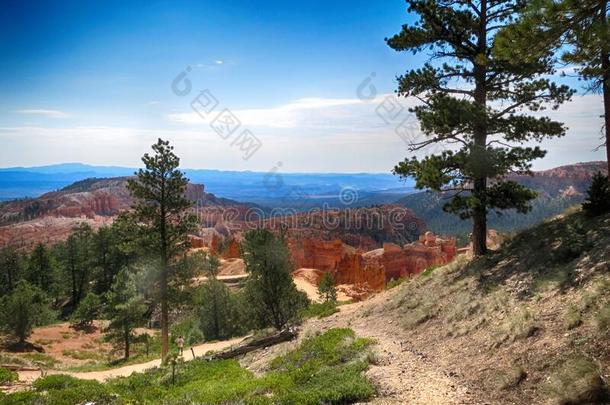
[90, 81]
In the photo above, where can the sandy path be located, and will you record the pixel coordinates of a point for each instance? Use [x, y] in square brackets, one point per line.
[26, 377]
[402, 375]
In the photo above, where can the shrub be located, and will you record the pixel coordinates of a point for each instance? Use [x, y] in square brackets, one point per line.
[603, 319]
[321, 310]
[572, 318]
[66, 390]
[218, 311]
[87, 311]
[188, 328]
[327, 289]
[7, 376]
[26, 307]
[577, 381]
[598, 196]
[267, 261]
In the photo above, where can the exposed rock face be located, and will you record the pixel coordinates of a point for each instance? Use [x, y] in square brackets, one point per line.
[90, 198]
[232, 250]
[48, 230]
[361, 228]
[374, 268]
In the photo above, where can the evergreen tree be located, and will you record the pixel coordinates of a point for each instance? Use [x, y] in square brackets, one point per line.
[11, 268]
[162, 209]
[87, 311]
[270, 291]
[76, 258]
[577, 29]
[327, 289]
[41, 269]
[598, 196]
[476, 103]
[218, 311]
[217, 305]
[24, 308]
[125, 310]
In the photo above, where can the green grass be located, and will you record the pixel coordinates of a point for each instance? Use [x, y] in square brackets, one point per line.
[84, 355]
[320, 310]
[41, 359]
[576, 381]
[327, 368]
[7, 376]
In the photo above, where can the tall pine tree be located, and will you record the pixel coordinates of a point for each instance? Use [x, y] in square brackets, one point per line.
[579, 31]
[476, 103]
[162, 211]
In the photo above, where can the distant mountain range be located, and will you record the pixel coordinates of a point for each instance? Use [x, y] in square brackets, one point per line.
[557, 188]
[269, 189]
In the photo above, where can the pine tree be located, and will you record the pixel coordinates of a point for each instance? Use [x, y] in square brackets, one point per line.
[125, 310]
[270, 291]
[41, 268]
[163, 210]
[327, 289]
[24, 308]
[87, 311]
[476, 103]
[598, 196]
[578, 30]
[75, 256]
[11, 268]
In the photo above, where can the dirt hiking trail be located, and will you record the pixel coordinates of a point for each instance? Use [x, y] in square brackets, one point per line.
[28, 376]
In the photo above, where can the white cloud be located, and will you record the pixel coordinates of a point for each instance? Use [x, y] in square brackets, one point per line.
[219, 62]
[44, 113]
[310, 134]
[313, 112]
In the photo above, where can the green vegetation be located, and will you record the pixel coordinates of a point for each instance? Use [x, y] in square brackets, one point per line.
[162, 214]
[598, 196]
[24, 308]
[577, 31]
[327, 289]
[87, 311]
[270, 292]
[320, 310]
[576, 381]
[458, 39]
[7, 376]
[327, 368]
[125, 311]
[220, 311]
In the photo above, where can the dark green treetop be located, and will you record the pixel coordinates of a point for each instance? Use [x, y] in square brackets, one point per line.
[475, 103]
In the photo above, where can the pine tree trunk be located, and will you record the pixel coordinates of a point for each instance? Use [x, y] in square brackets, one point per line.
[605, 56]
[164, 313]
[163, 280]
[126, 336]
[479, 218]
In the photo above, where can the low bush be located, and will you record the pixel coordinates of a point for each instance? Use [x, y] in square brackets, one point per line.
[602, 319]
[576, 381]
[320, 310]
[7, 376]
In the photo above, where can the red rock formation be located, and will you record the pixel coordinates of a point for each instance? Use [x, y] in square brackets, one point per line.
[374, 268]
[232, 250]
[196, 242]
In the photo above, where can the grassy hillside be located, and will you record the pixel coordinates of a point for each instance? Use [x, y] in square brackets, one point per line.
[528, 324]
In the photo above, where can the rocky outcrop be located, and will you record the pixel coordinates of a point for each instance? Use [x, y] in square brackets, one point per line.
[94, 197]
[374, 268]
